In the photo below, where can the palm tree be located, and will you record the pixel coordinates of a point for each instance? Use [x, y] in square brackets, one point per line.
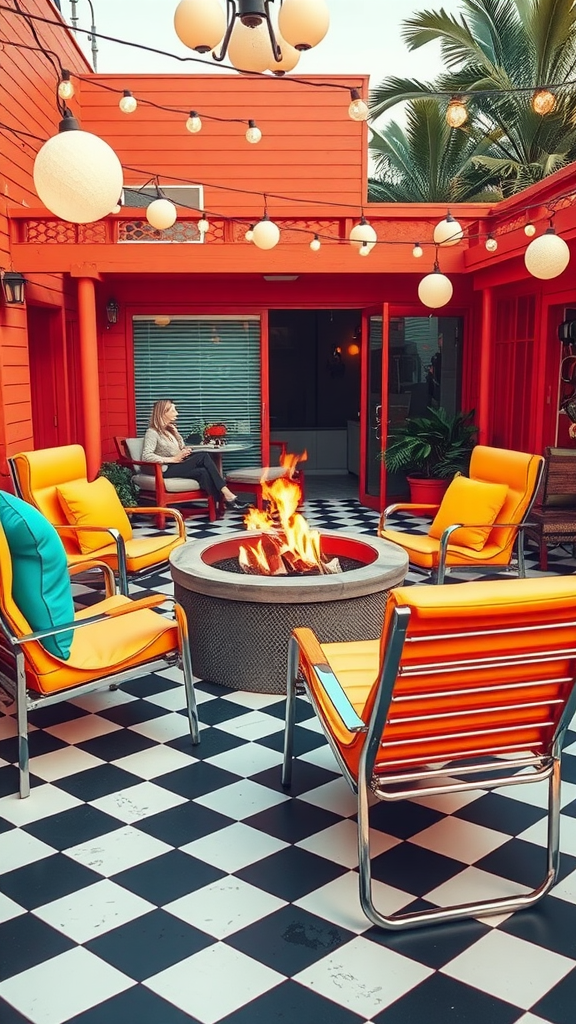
[509, 47]
[427, 162]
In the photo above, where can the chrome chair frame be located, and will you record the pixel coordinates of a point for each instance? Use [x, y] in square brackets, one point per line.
[406, 784]
[13, 676]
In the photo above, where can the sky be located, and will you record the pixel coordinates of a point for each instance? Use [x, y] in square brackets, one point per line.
[364, 37]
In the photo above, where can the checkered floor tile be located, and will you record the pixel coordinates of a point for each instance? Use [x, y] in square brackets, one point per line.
[149, 882]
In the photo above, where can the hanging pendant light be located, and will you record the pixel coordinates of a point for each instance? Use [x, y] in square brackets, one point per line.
[435, 289]
[547, 256]
[161, 213]
[77, 175]
[363, 234]
[304, 23]
[289, 59]
[199, 24]
[266, 234]
[448, 231]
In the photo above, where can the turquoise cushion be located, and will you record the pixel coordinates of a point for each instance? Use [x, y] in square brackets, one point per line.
[40, 584]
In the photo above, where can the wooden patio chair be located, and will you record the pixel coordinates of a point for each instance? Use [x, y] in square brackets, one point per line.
[152, 484]
[554, 512]
[249, 479]
[47, 652]
[481, 517]
[470, 687]
[88, 514]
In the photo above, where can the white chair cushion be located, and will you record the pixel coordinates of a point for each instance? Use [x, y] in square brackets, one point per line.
[254, 474]
[135, 446]
[174, 484]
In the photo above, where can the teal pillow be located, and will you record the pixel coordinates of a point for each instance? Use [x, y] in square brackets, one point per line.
[41, 584]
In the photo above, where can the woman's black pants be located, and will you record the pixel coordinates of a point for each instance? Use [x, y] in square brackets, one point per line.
[200, 467]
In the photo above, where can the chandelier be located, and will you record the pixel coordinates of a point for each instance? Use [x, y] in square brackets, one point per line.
[244, 33]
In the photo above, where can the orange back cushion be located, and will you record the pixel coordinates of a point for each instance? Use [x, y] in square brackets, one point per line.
[472, 503]
[93, 504]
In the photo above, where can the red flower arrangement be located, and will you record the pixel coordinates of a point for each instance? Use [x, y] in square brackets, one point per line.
[215, 432]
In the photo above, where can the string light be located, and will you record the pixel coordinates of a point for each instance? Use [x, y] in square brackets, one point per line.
[266, 233]
[547, 256]
[315, 244]
[491, 244]
[448, 231]
[417, 251]
[543, 101]
[128, 102]
[529, 230]
[456, 113]
[203, 225]
[364, 249]
[194, 124]
[161, 213]
[253, 133]
[358, 109]
[65, 86]
[249, 236]
[363, 234]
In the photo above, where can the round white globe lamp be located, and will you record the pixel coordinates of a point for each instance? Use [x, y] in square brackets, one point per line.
[249, 48]
[200, 24]
[435, 289]
[290, 57]
[547, 256]
[77, 175]
[448, 232]
[363, 234]
[266, 233]
[304, 23]
[161, 214]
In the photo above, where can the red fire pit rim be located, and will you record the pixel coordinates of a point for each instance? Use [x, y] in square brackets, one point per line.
[192, 568]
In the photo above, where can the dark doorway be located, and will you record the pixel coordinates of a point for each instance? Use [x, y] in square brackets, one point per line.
[45, 362]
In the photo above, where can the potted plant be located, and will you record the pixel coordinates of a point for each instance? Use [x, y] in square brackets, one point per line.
[215, 432]
[121, 478]
[431, 450]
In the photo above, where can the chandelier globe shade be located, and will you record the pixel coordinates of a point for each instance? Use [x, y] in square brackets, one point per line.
[77, 175]
[435, 289]
[200, 24]
[363, 234]
[249, 48]
[161, 214]
[547, 256]
[448, 232]
[304, 23]
[290, 57]
[266, 234]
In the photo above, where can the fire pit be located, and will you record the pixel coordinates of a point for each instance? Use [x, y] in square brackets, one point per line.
[240, 624]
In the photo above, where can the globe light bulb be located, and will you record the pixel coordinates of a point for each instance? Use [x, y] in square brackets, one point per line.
[435, 289]
[161, 214]
[128, 102]
[448, 231]
[194, 124]
[543, 101]
[203, 225]
[491, 244]
[289, 59]
[456, 113]
[364, 249]
[304, 23]
[77, 176]
[249, 48]
[266, 233]
[363, 234]
[358, 109]
[529, 230]
[253, 133]
[417, 251]
[199, 24]
[315, 244]
[65, 86]
[547, 256]
[249, 236]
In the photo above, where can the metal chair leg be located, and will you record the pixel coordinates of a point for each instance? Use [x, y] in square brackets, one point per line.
[22, 720]
[188, 674]
[291, 676]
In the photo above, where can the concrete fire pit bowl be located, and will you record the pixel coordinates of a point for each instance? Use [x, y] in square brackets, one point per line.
[240, 624]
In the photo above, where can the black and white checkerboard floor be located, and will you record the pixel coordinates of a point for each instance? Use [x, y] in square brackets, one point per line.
[148, 882]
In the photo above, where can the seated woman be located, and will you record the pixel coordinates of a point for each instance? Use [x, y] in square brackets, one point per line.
[163, 443]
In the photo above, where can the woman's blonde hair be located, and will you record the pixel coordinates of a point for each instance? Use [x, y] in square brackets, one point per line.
[158, 417]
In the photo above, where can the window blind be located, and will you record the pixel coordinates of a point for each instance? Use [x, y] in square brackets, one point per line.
[210, 367]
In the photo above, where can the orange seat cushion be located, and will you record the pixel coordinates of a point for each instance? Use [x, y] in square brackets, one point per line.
[93, 504]
[470, 502]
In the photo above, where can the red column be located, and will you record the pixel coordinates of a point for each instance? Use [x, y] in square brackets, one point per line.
[485, 367]
[90, 384]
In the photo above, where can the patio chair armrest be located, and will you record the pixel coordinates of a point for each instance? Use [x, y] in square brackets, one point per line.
[154, 510]
[109, 582]
[312, 652]
[415, 510]
[124, 609]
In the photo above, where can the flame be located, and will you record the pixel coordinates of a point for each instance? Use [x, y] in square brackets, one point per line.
[290, 539]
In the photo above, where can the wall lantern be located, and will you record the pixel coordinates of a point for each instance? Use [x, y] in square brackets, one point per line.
[112, 311]
[12, 287]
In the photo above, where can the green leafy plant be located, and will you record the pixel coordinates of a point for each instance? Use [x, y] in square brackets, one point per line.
[438, 445]
[121, 478]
